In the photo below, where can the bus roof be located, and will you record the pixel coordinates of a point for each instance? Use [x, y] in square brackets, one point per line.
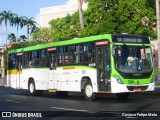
[81, 40]
[63, 43]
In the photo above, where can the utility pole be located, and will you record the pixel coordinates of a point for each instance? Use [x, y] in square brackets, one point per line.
[158, 29]
[80, 3]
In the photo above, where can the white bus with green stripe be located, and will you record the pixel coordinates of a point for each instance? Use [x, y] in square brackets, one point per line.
[108, 63]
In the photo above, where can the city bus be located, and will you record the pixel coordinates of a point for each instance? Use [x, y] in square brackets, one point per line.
[110, 63]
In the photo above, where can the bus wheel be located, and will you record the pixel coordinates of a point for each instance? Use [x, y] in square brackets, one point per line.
[61, 93]
[32, 88]
[122, 96]
[88, 91]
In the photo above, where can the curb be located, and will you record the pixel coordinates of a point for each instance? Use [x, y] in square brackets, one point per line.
[4, 86]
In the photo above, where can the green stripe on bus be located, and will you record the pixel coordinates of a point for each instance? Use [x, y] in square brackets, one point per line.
[63, 43]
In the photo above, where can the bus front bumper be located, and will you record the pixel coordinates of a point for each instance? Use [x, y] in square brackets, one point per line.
[121, 88]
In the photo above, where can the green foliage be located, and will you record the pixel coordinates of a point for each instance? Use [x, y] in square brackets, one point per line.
[24, 44]
[108, 16]
[135, 17]
[65, 28]
[23, 38]
[120, 16]
[43, 35]
[12, 37]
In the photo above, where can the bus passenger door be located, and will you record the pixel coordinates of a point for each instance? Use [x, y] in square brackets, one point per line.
[19, 69]
[103, 65]
[52, 67]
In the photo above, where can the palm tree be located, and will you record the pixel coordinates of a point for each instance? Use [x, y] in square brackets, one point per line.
[12, 37]
[23, 37]
[6, 16]
[30, 24]
[80, 4]
[19, 22]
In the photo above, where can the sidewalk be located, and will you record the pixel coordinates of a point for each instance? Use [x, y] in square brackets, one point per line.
[3, 82]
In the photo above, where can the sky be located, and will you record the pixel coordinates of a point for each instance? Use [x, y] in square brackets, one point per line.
[28, 8]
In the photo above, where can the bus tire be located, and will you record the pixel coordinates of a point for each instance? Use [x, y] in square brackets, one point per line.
[122, 96]
[88, 91]
[32, 88]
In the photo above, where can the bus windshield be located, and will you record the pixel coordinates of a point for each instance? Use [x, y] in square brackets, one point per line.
[133, 59]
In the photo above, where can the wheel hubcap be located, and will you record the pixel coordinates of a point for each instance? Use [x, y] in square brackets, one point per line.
[89, 90]
[31, 88]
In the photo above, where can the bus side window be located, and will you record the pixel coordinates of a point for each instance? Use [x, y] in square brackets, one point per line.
[25, 59]
[61, 56]
[35, 58]
[71, 54]
[43, 58]
[11, 62]
[87, 53]
[52, 60]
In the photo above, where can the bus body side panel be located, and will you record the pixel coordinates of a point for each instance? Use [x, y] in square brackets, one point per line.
[52, 81]
[69, 78]
[40, 77]
[25, 78]
[11, 78]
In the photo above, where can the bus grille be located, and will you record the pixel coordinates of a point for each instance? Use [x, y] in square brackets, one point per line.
[131, 75]
[131, 88]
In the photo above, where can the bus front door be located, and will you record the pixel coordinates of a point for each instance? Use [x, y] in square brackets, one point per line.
[52, 67]
[19, 70]
[103, 67]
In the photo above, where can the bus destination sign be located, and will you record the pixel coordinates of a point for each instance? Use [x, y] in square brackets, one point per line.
[131, 39]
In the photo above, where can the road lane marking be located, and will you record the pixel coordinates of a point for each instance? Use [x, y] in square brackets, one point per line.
[72, 109]
[13, 101]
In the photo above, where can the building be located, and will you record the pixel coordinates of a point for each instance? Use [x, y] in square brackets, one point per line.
[54, 12]
[2, 70]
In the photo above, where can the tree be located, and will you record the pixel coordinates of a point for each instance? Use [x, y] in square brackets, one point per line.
[43, 35]
[109, 16]
[80, 3]
[23, 38]
[12, 37]
[18, 22]
[136, 17]
[65, 28]
[120, 16]
[6, 16]
[30, 24]
[81, 20]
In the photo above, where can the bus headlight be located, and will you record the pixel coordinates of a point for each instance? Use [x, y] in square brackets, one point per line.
[153, 79]
[118, 79]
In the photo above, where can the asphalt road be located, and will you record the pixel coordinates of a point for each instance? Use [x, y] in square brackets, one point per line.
[74, 105]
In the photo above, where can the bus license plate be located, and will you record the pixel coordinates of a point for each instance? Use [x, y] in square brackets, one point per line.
[137, 89]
